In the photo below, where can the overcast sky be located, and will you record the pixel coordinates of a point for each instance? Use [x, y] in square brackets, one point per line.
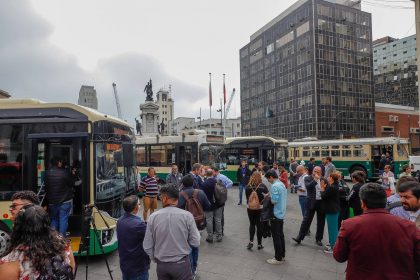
[49, 48]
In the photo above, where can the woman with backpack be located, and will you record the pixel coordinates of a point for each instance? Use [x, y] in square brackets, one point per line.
[254, 192]
[36, 251]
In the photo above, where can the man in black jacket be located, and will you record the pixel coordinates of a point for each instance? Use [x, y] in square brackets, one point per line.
[59, 190]
[313, 204]
[242, 176]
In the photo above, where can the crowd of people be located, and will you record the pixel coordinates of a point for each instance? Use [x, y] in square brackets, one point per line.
[369, 221]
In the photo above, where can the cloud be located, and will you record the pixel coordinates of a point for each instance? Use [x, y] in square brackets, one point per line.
[31, 67]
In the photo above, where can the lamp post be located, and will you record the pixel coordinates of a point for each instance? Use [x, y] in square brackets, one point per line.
[221, 117]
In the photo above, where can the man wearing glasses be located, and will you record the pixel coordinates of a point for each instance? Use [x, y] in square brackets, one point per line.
[20, 199]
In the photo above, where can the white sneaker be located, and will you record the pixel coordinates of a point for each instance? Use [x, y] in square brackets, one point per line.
[327, 247]
[274, 261]
[328, 251]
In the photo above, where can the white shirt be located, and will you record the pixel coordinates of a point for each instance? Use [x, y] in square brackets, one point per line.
[301, 184]
[414, 215]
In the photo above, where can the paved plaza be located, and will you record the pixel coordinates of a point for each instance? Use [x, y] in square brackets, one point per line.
[231, 260]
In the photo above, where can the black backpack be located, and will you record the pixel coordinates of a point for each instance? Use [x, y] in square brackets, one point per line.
[56, 269]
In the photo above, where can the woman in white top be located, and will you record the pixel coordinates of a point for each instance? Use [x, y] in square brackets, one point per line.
[388, 180]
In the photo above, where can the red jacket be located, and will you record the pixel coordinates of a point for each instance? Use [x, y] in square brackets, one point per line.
[379, 246]
[284, 178]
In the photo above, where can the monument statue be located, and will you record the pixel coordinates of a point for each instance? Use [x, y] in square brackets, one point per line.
[149, 91]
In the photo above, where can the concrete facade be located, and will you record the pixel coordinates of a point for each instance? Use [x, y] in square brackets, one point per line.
[232, 127]
[88, 97]
[166, 109]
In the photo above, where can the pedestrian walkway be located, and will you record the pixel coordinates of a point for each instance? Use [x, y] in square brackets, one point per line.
[231, 260]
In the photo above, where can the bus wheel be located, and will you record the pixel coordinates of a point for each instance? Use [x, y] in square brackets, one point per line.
[357, 168]
[4, 238]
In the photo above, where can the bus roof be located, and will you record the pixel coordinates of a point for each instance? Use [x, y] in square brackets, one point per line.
[200, 138]
[30, 103]
[230, 140]
[360, 141]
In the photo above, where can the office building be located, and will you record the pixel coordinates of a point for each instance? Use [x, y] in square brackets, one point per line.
[308, 73]
[88, 97]
[395, 71]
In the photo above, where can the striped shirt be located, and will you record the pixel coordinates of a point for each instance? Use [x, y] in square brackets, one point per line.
[150, 186]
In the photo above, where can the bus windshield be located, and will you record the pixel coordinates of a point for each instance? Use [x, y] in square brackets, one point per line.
[212, 155]
[110, 178]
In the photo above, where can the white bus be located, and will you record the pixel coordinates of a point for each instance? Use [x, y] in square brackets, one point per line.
[161, 152]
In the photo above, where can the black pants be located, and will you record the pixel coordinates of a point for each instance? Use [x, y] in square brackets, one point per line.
[307, 221]
[278, 239]
[180, 270]
[344, 214]
[255, 222]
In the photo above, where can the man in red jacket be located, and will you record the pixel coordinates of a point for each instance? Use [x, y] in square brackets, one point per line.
[376, 244]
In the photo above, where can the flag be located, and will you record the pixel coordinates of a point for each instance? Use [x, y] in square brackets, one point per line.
[224, 91]
[210, 94]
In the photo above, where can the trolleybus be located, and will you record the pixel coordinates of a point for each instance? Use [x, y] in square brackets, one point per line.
[349, 155]
[253, 149]
[161, 152]
[33, 132]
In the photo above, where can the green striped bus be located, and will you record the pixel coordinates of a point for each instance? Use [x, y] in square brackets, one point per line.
[253, 149]
[349, 155]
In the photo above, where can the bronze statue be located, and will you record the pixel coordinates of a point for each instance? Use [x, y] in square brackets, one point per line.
[149, 91]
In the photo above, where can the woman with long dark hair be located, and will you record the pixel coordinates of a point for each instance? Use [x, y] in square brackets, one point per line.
[36, 251]
[254, 207]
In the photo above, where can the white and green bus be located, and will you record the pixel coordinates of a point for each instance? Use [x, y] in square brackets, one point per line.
[349, 155]
[253, 149]
[33, 132]
[161, 152]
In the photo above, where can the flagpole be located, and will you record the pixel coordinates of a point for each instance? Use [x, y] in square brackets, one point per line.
[224, 107]
[210, 100]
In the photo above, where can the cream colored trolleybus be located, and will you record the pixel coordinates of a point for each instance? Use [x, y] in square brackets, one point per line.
[161, 152]
[32, 132]
[349, 155]
[253, 149]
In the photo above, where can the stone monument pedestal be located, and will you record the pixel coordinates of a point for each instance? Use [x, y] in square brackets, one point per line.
[149, 113]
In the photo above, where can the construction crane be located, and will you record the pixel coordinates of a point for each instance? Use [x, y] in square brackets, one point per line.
[117, 100]
[232, 95]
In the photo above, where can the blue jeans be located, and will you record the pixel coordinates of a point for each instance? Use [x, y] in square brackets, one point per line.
[241, 190]
[302, 202]
[142, 276]
[59, 215]
[194, 259]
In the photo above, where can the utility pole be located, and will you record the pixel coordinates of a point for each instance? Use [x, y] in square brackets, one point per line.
[417, 19]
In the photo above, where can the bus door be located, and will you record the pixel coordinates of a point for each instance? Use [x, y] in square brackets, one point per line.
[377, 152]
[73, 152]
[267, 155]
[187, 155]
